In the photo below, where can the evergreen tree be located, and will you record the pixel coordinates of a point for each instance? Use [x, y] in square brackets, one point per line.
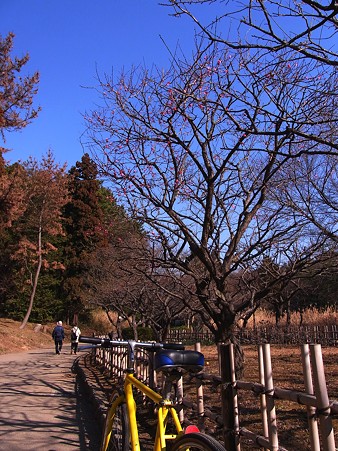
[12, 206]
[84, 231]
[17, 93]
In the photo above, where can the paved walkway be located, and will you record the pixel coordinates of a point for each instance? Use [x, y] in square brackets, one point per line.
[41, 408]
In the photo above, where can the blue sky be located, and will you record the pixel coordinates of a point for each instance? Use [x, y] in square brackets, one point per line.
[68, 41]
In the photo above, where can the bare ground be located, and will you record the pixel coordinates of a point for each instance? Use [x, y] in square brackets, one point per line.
[13, 339]
[33, 336]
[287, 373]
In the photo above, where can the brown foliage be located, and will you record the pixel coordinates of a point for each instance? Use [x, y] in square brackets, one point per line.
[46, 194]
[16, 93]
[12, 193]
[16, 111]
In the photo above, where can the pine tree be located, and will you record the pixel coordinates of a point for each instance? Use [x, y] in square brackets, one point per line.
[16, 112]
[83, 226]
[17, 93]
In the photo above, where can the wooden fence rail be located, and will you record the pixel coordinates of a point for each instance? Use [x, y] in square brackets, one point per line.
[293, 335]
[315, 398]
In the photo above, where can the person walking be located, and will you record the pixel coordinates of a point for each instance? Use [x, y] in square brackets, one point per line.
[74, 337]
[58, 335]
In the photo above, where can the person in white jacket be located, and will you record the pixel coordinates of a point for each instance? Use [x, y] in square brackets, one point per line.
[74, 338]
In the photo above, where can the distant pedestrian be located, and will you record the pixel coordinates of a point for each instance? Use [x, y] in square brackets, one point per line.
[74, 337]
[58, 335]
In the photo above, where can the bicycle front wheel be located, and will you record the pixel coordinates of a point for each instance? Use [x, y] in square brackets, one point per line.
[196, 441]
[116, 435]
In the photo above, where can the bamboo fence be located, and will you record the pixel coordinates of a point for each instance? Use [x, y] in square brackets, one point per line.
[326, 335]
[315, 399]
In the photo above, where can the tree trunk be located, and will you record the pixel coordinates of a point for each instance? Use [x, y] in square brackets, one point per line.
[225, 334]
[134, 326]
[35, 283]
[75, 319]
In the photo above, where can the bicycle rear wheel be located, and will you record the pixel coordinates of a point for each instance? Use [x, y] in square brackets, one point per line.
[116, 435]
[196, 441]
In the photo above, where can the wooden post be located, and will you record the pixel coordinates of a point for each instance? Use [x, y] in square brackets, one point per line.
[311, 411]
[152, 377]
[271, 411]
[146, 368]
[323, 403]
[138, 364]
[111, 363]
[264, 414]
[200, 399]
[116, 375]
[229, 397]
[114, 362]
[120, 361]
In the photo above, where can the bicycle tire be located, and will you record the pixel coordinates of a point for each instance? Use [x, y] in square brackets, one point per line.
[120, 432]
[196, 441]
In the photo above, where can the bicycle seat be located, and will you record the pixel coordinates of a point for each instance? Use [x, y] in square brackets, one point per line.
[166, 359]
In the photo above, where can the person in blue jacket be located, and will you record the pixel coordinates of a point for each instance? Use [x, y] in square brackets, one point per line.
[58, 335]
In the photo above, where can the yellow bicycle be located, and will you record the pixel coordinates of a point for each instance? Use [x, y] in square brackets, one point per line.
[121, 429]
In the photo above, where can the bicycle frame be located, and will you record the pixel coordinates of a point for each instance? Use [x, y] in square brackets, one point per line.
[165, 407]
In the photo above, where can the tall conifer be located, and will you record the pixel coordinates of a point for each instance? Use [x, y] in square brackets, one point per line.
[83, 223]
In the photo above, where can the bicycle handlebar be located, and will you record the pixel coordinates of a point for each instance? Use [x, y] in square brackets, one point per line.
[152, 346]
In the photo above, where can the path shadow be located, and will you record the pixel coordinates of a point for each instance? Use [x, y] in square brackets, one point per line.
[30, 383]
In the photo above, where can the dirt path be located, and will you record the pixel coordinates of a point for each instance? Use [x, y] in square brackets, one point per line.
[41, 407]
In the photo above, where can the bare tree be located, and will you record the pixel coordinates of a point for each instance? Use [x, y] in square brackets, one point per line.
[195, 152]
[306, 28]
[112, 285]
[312, 194]
[120, 281]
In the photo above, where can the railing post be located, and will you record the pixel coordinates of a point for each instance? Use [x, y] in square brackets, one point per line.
[311, 411]
[229, 397]
[180, 398]
[323, 403]
[200, 398]
[138, 363]
[264, 414]
[152, 374]
[269, 389]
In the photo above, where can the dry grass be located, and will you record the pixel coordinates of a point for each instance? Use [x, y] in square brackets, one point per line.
[287, 373]
[13, 339]
[310, 317]
[100, 321]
